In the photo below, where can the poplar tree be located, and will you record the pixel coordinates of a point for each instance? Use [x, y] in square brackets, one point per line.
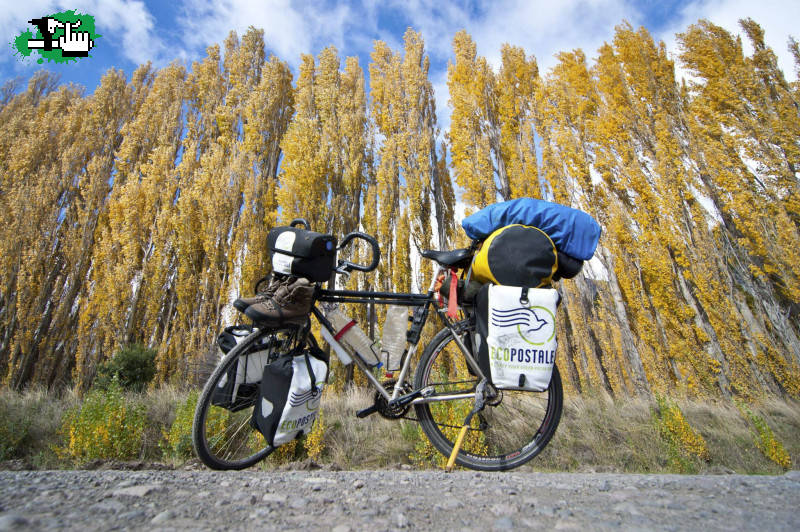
[134, 234]
[473, 121]
[730, 103]
[138, 212]
[404, 110]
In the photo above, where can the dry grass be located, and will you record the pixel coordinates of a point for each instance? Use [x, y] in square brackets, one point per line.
[599, 434]
[596, 433]
[372, 442]
[29, 425]
[160, 406]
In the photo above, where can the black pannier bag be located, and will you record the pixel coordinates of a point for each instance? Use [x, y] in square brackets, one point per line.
[290, 392]
[238, 388]
[302, 253]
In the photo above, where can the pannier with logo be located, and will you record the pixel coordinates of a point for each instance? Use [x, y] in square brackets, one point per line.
[515, 335]
[290, 392]
[302, 253]
[239, 387]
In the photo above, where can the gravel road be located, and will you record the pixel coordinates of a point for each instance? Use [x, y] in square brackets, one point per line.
[391, 500]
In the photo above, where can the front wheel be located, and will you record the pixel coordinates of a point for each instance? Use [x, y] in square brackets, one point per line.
[222, 435]
[512, 429]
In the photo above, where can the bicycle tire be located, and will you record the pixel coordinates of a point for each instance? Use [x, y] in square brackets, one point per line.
[505, 435]
[215, 449]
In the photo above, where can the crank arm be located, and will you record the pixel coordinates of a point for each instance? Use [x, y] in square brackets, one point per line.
[400, 401]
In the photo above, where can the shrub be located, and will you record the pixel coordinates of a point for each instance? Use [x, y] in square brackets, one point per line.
[765, 440]
[684, 443]
[288, 452]
[133, 365]
[177, 442]
[314, 443]
[14, 427]
[104, 426]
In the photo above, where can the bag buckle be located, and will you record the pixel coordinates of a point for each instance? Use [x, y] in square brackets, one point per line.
[523, 297]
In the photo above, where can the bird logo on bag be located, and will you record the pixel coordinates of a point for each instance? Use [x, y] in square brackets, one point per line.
[534, 324]
[310, 398]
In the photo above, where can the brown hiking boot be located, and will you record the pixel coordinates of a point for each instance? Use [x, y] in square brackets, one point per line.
[274, 284]
[290, 304]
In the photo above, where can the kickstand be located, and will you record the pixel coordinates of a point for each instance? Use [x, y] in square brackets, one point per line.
[480, 402]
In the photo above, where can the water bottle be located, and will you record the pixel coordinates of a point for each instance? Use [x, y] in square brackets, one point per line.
[393, 342]
[347, 333]
[341, 352]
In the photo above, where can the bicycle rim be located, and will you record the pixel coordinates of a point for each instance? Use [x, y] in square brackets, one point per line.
[223, 437]
[506, 434]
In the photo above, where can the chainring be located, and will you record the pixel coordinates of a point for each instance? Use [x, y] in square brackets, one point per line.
[497, 396]
[382, 405]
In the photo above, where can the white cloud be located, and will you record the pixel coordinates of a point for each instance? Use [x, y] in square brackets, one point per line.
[778, 18]
[129, 21]
[133, 21]
[290, 28]
[545, 28]
[541, 27]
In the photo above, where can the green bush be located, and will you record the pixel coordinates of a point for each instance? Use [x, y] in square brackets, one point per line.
[133, 365]
[685, 445]
[14, 427]
[765, 440]
[104, 426]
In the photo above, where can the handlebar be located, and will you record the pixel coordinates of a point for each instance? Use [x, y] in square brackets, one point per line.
[346, 266]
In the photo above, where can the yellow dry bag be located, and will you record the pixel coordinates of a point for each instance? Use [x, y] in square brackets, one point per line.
[516, 255]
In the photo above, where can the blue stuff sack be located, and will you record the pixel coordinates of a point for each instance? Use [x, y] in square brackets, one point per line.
[572, 231]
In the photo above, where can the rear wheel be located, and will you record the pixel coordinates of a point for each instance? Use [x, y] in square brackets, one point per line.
[223, 437]
[512, 429]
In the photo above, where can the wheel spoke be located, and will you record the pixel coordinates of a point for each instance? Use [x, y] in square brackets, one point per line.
[222, 435]
[500, 436]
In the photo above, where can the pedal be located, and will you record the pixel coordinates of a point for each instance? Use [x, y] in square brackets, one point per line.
[367, 411]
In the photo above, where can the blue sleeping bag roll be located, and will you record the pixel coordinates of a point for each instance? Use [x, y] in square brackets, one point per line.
[572, 231]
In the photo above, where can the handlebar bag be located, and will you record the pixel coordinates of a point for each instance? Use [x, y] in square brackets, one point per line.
[291, 388]
[238, 388]
[516, 255]
[515, 336]
[302, 253]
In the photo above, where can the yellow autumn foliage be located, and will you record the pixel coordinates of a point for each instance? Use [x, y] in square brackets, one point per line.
[137, 212]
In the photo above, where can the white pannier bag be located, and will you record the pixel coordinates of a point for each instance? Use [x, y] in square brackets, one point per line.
[521, 340]
[239, 386]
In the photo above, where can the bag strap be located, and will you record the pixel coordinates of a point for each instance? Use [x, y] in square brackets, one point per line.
[452, 298]
[315, 344]
[313, 377]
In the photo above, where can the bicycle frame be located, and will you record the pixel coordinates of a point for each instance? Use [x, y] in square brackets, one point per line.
[421, 301]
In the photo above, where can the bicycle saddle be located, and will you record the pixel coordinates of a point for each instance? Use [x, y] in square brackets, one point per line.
[457, 258]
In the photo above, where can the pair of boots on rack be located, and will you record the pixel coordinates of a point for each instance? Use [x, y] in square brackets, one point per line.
[286, 300]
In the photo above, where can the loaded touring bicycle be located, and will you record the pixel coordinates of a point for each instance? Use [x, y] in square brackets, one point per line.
[483, 404]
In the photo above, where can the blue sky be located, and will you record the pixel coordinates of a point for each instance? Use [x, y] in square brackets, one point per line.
[136, 31]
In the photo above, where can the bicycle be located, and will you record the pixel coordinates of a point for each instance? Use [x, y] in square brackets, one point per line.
[508, 427]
